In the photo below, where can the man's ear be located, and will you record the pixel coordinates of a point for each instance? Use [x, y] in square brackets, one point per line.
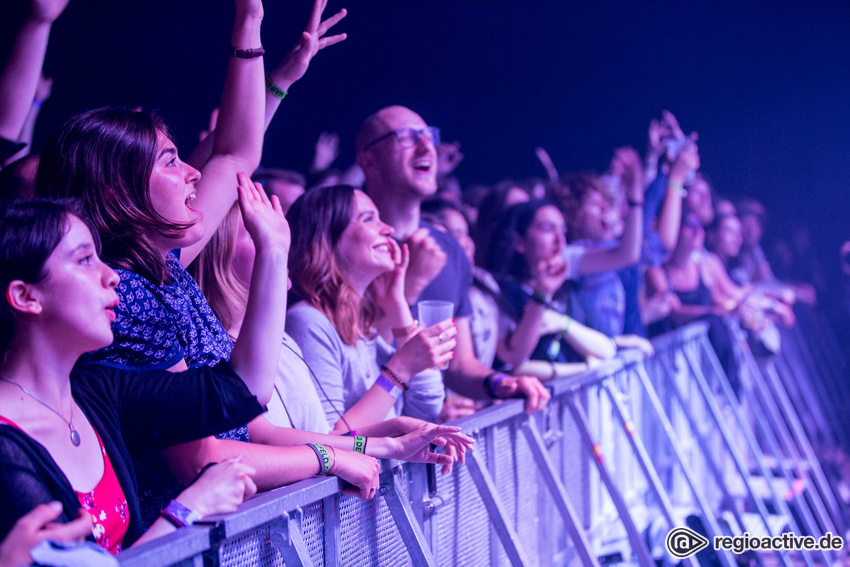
[23, 298]
[365, 160]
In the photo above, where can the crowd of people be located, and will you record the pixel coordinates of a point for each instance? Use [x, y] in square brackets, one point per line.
[177, 335]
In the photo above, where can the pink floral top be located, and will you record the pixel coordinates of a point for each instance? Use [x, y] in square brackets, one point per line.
[106, 504]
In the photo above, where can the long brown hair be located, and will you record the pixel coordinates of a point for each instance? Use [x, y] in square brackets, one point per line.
[226, 293]
[105, 158]
[317, 220]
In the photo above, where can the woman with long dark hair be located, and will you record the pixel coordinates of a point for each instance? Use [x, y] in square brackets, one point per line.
[66, 432]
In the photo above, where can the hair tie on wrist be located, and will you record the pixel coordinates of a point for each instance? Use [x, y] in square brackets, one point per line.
[633, 204]
[251, 53]
[274, 89]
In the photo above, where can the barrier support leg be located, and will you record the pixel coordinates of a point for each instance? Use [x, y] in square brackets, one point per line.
[644, 461]
[637, 542]
[286, 537]
[558, 493]
[498, 517]
[710, 519]
[405, 521]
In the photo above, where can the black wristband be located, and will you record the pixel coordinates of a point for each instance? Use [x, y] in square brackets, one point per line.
[251, 53]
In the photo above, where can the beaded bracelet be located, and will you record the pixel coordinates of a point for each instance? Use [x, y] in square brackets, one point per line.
[323, 456]
[251, 53]
[360, 444]
[274, 89]
[393, 377]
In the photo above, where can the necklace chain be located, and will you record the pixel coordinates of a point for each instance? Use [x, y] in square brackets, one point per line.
[75, 437]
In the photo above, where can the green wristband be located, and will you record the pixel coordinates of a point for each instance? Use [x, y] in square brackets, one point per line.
[360, 444]
[274, 89]
[567, 326]
[322, 454]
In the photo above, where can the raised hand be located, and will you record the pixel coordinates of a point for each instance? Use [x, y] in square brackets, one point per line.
[327, 150]
[388, 288]
[313, 40]
[687, 162]
[221, 488]
[626, 165]
[264, 219]
[449, 157]
[426, 261]
[668, 119]
[657, 138]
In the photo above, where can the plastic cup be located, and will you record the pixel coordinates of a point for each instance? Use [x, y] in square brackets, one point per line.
[433, 311]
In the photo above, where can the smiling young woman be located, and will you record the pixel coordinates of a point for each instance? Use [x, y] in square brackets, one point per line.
[348, 274]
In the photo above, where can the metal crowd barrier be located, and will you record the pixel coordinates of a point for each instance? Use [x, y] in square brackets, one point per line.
[621, 455]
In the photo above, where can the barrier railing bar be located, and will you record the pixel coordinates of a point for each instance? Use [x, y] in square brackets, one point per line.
[268, 506]
[643, 459]
[767, 429]
[286, 536]
[558, 492]
[737, 459]
[638, 544]
[702, 503]
[405, 521]
[755, 450]
[495, 510]
[802, 442]
[169, 549]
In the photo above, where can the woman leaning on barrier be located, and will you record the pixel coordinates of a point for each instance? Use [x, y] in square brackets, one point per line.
[66, 432]
[537, 334]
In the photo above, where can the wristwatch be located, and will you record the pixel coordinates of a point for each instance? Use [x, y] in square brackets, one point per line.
[180, 515]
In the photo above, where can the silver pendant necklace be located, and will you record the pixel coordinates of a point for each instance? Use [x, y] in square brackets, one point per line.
[75, 437]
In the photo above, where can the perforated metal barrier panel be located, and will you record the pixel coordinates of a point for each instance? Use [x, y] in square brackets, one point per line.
[565, 487]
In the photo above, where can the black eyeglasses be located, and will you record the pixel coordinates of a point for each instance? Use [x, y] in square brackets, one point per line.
[408, 137]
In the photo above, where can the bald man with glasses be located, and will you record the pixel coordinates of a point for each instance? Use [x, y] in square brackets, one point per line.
[397, 151]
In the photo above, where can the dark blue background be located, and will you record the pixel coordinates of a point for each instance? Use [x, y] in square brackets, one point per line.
[764, 83]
